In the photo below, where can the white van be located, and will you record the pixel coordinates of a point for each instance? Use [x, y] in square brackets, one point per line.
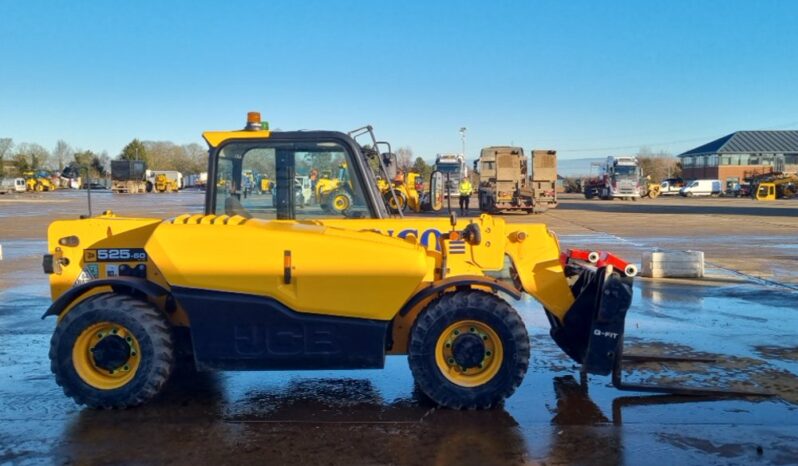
[701, 188]
[12, 185]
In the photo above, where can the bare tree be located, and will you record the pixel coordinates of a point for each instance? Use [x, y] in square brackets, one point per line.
[166, 155]
[404, 158]
[6, 144]
[658, 165]
[197, 157]
[34, 155]
[101, 163]
[62, 154]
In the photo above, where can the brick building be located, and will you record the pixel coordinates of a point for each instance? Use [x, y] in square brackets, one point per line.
[731, 158]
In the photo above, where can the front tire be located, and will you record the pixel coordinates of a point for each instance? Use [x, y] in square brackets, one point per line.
[340, 201]
[469, 350]
[400, 198]
[112, 351]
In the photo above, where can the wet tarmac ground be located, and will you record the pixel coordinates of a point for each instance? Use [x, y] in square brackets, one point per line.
[376, 417]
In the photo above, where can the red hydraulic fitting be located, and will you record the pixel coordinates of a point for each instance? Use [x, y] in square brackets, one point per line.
[599, 259]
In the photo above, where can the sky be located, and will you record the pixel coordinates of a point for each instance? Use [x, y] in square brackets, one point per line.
[584, 78]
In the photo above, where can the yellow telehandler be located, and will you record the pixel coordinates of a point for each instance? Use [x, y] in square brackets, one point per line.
[163, 184]
[254, 284]
[401, 193]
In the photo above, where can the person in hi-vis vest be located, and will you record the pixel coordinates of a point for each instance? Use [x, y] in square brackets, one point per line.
[465, 195]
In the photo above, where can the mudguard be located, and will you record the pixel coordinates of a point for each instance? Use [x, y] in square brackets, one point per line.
[127, 285]
[458, 281]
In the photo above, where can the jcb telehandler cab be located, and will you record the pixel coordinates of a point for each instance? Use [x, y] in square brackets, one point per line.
[255, 283]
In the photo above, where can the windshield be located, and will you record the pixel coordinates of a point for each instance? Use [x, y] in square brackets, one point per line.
[625, 170]
[693, 184]
[280, 180]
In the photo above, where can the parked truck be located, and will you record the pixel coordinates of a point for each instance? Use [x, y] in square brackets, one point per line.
[544, 178]
[503, 180]
[196, 180]
[453, 167]
[128, 176]
[618, 177]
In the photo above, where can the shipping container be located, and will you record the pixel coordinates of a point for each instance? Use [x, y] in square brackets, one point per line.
[128, 170]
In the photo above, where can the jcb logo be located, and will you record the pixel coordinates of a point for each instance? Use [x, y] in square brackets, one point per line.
[284, 340]
[427, 238]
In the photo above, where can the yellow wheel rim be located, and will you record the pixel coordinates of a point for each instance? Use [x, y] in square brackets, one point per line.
[399, 201]
[341, 202]
[105, 378]
[472, 376]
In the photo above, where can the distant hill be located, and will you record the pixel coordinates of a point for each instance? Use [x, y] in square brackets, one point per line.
[577, 167]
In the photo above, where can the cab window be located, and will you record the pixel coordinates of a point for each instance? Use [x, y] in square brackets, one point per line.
[274, 180]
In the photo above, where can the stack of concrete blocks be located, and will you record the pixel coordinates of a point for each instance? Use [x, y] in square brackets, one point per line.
[673, 264]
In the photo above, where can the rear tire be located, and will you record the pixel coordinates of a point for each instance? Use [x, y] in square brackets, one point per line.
[464, 319]
[112, 351]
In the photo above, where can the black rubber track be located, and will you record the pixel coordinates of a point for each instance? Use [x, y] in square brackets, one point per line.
[471, 305]
[155, 344]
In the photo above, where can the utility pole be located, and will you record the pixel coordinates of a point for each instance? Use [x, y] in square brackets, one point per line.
[462, 138]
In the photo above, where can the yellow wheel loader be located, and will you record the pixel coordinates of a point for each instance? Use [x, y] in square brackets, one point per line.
[38, 181]
[256, 285]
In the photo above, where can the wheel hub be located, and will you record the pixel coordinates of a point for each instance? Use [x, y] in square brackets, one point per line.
[468, 350]
[469, 353]
[111, 353]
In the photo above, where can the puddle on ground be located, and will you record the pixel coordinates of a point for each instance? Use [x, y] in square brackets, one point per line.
[282, 417]
[22, 248]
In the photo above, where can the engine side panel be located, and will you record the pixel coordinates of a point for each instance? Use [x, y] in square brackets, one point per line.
[310, 268]
[74, 245]
[232, 331]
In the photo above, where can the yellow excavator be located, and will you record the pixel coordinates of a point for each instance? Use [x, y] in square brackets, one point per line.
[251, 284]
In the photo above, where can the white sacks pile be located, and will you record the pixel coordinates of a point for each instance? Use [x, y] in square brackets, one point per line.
[673, 264]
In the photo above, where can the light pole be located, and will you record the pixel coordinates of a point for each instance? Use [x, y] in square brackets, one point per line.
[462, 138]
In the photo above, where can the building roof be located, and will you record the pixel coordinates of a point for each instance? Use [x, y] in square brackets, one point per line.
[750, 142]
